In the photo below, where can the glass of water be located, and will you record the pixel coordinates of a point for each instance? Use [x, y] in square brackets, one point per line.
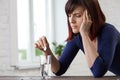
[45, 66]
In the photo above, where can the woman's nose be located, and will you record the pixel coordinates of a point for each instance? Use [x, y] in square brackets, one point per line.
[72, 19]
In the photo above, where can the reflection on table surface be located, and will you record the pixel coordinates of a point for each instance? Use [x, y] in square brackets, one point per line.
[59, 78]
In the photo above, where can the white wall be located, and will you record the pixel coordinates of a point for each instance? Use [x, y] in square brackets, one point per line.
[60, 21]
[4, 33]
[111, 8]
[7, 40]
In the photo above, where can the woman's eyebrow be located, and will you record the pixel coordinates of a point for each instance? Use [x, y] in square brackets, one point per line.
[77, 13]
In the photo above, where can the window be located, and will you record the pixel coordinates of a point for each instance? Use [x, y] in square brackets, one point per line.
[31, 18]
[31, 25]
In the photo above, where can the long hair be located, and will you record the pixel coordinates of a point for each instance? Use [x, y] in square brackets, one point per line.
[94, 10]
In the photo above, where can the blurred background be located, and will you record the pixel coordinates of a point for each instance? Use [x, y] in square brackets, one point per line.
[22, 22]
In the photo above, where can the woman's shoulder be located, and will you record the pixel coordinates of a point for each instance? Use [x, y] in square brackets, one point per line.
[76, 40]
[108, 26]
[76, 37]
[109, 29]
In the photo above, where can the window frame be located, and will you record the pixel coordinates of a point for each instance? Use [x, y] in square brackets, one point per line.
[13, 34]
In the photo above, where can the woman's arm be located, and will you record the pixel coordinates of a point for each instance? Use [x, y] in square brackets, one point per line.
[95, 62]
[60, 66]
[100, 59]
[68, 55]
[108, 41]
[43, 43]
[90, 47]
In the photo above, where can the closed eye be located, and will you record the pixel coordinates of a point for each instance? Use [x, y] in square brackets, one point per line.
[78, 15]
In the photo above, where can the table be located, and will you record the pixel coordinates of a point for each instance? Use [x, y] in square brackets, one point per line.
[59, 78]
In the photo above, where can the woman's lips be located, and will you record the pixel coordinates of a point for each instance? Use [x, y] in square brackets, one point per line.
[73, 27]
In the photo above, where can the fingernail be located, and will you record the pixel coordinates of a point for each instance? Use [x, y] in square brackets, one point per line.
[45, 48]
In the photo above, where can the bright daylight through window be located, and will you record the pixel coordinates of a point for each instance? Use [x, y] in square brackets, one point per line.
[31, 25]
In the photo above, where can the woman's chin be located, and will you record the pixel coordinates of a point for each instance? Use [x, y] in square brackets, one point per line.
[75, 32]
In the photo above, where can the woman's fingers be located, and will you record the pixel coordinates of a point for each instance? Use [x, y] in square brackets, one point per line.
[88, 17]
[38, 45]
[86, 23]
[42, 43]
[84, 17]
[35, 45]
[86, 14]
[45, 43]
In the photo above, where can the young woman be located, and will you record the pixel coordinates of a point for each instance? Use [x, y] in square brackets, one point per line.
[88, 31]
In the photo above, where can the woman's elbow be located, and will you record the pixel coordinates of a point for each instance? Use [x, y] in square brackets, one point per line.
[59, 73]
[98, 74]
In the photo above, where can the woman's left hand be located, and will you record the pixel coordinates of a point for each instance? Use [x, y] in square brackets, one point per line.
[86, 23]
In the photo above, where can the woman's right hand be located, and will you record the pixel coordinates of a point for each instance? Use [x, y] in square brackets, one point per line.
[43, 45]
[86, 24]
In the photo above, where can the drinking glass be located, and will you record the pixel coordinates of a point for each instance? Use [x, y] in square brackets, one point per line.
[45, 66]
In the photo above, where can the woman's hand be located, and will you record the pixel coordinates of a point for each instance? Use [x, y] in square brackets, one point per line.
[43, 45]
[86, 23]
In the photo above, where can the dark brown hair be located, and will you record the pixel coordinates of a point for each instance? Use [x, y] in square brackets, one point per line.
[93, 8]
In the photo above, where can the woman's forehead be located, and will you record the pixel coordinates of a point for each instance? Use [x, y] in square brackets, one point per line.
[78, 10]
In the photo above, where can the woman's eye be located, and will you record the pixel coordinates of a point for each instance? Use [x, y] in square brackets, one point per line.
[78, 15]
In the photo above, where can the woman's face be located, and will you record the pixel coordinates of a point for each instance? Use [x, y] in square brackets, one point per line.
[75, 19]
